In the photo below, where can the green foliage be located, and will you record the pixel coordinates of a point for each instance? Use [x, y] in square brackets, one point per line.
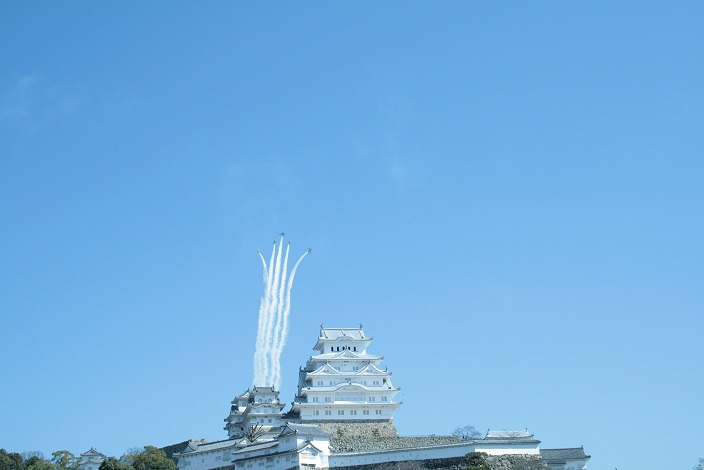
[150, 459]
[476, 461]
[64, 460]
[11, 461]
[32, 461]
[40, 464]
[111, 463]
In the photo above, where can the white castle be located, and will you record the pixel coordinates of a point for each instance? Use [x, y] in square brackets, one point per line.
[342, 416]
[344, 382]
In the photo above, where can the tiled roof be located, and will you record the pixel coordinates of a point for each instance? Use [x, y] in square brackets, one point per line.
[92, 451]
[345, 355]
[571, 453]
[308, 430]
[325, 369]
[206, 446]
[257, 446]
[525, 434]
[336, 333]
[242, 396]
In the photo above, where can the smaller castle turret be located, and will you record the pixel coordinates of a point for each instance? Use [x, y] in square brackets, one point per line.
[255, 414]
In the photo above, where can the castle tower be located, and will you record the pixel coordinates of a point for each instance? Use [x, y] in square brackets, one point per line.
[255, 413]
[345, 384]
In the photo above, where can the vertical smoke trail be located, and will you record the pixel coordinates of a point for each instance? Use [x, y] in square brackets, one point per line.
[269, 317]
[263, 310]
[279, 320]
[274, 310]
[284, 328]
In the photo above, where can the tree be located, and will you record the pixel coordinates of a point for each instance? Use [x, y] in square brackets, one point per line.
[111, 463]
[700, 466]
[33, 460]
[39, 464]
[466, 432]
[254, 432]
[476, 461]
[11, 460]
[152, 459]
[64, 460]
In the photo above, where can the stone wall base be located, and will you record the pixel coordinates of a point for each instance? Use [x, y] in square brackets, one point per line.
[495, 462]
[359, 429]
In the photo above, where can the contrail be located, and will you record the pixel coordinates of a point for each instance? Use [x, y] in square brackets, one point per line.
[259, 351]
[262, 310]
[274, 311]
[273, 308]
[279, 320]
[284, 329]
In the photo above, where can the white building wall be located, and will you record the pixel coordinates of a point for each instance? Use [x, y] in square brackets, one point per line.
[206, 460]
[440, 452]
[281, 456]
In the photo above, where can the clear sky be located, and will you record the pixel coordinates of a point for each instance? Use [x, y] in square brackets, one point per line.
[507, 195]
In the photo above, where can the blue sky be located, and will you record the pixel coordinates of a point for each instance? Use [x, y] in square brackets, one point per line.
[508, 196]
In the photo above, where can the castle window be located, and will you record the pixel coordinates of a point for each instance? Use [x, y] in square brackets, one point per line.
[340, 412]
[378, 412]
[332, 348]
[355, 348]
[365, 412]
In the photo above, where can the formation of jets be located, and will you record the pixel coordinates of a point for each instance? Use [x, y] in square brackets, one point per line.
[310, 250]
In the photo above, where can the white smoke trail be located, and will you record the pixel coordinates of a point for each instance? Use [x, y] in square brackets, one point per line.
[274, 311]
[284, 328]
[276, 337]
[271, 312]
[263, 310]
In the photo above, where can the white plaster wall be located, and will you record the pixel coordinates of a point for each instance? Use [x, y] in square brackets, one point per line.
[576, 465]
[506, 450]
[346, 460]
